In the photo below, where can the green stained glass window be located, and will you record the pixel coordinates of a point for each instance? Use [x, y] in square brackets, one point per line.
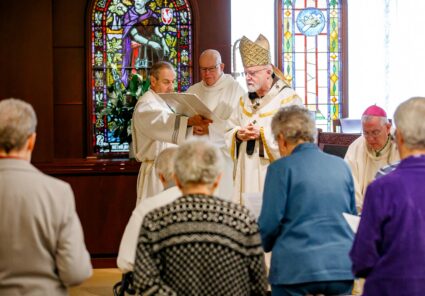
[311, 54]
[127, 38]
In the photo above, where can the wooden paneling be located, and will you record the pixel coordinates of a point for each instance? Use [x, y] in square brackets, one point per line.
[26, 63]
[214, 28]
[70, 131]
[69, 23]
[69, 79]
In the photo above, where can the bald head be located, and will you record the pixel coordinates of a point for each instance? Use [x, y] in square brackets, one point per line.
[211, 54]
[210, 66]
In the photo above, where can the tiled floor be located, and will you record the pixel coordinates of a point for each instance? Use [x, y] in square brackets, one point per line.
[100, 284]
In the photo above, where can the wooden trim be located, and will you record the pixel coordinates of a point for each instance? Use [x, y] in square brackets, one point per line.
[326, 138]
[196, 23]
[89, 81]
[344, 59]
[278, 32]
[89, 167]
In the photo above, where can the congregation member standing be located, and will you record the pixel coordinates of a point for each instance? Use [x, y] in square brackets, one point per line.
[370, 152]
[155, 127]
[389, 247]
[249, 136]
[301, 221]
[42, 249]
[221, 93]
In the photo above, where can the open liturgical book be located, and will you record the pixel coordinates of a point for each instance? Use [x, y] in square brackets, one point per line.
[188, 104]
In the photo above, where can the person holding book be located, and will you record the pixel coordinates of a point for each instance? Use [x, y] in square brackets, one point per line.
[155, 127]
[220, 93]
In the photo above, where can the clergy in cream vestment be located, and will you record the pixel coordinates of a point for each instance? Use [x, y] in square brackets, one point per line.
[249, 136]
[221, 94]
[367, 154]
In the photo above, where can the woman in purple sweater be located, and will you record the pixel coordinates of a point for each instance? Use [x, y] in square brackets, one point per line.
[389, 248]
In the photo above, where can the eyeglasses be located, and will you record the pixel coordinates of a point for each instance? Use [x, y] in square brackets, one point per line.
[372, 134]
[253, 73]
[209, 69]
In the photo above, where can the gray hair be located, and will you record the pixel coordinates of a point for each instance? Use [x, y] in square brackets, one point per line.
[17, 122]
[164, 163]
[197, 162]
[409, 120]
[294, 123]
[383, 120]
[158, 66]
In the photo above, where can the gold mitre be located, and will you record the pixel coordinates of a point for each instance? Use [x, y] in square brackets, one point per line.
[255, 53]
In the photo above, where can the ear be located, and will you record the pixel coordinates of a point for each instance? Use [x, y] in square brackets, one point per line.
[222, 67]
[177, 182]
[153, 81]
[161, 178]
[399, 138]
[217, 181]
[282, 145]
[388, 127]
[31, 142]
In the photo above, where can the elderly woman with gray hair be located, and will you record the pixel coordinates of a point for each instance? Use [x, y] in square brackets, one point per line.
[301, 222]
[199, 244]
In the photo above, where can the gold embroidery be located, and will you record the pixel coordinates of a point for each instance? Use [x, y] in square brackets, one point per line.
[288, 99]
[263, 138]
[246, 112]
[233, 146]
[266, 114]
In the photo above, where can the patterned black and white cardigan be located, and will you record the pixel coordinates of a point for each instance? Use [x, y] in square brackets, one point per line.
[200, 245]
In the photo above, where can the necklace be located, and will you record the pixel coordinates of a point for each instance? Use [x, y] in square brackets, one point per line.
[378, 153]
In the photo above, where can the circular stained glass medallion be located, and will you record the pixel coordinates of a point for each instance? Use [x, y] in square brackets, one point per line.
[311, 21]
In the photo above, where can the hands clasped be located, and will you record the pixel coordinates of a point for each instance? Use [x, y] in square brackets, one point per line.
[250, 132]
[199, 124]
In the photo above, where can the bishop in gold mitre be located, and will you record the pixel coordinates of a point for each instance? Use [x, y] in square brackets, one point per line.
[252, 145]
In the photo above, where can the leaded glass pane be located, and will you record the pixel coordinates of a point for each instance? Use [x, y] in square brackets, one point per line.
[127, 38]
[311, 32]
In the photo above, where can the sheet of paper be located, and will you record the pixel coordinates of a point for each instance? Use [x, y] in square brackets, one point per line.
[188, 104]
[352, 220]
[253, 201]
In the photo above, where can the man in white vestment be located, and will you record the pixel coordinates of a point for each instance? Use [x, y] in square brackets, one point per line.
[375, 149]
[221, 94]
[155, 127]
[251, 142]
[164, 167]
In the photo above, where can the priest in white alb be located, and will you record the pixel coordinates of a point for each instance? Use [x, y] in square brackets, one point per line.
[221, 94]
[155, 127]
[249, 136]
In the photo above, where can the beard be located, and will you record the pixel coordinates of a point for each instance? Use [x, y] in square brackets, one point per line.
[253, 87]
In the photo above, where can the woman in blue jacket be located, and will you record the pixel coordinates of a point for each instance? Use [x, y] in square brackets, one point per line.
[301, 222]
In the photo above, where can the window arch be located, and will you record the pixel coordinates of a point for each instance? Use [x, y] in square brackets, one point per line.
[126, 38]
[312, 54]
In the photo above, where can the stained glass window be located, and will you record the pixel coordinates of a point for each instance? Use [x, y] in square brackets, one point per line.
[127, 37]
[311, 52]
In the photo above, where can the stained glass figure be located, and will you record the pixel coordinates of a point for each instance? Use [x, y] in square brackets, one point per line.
[127, 38]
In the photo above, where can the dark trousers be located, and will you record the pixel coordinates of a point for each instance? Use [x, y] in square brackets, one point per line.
[314, 288]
